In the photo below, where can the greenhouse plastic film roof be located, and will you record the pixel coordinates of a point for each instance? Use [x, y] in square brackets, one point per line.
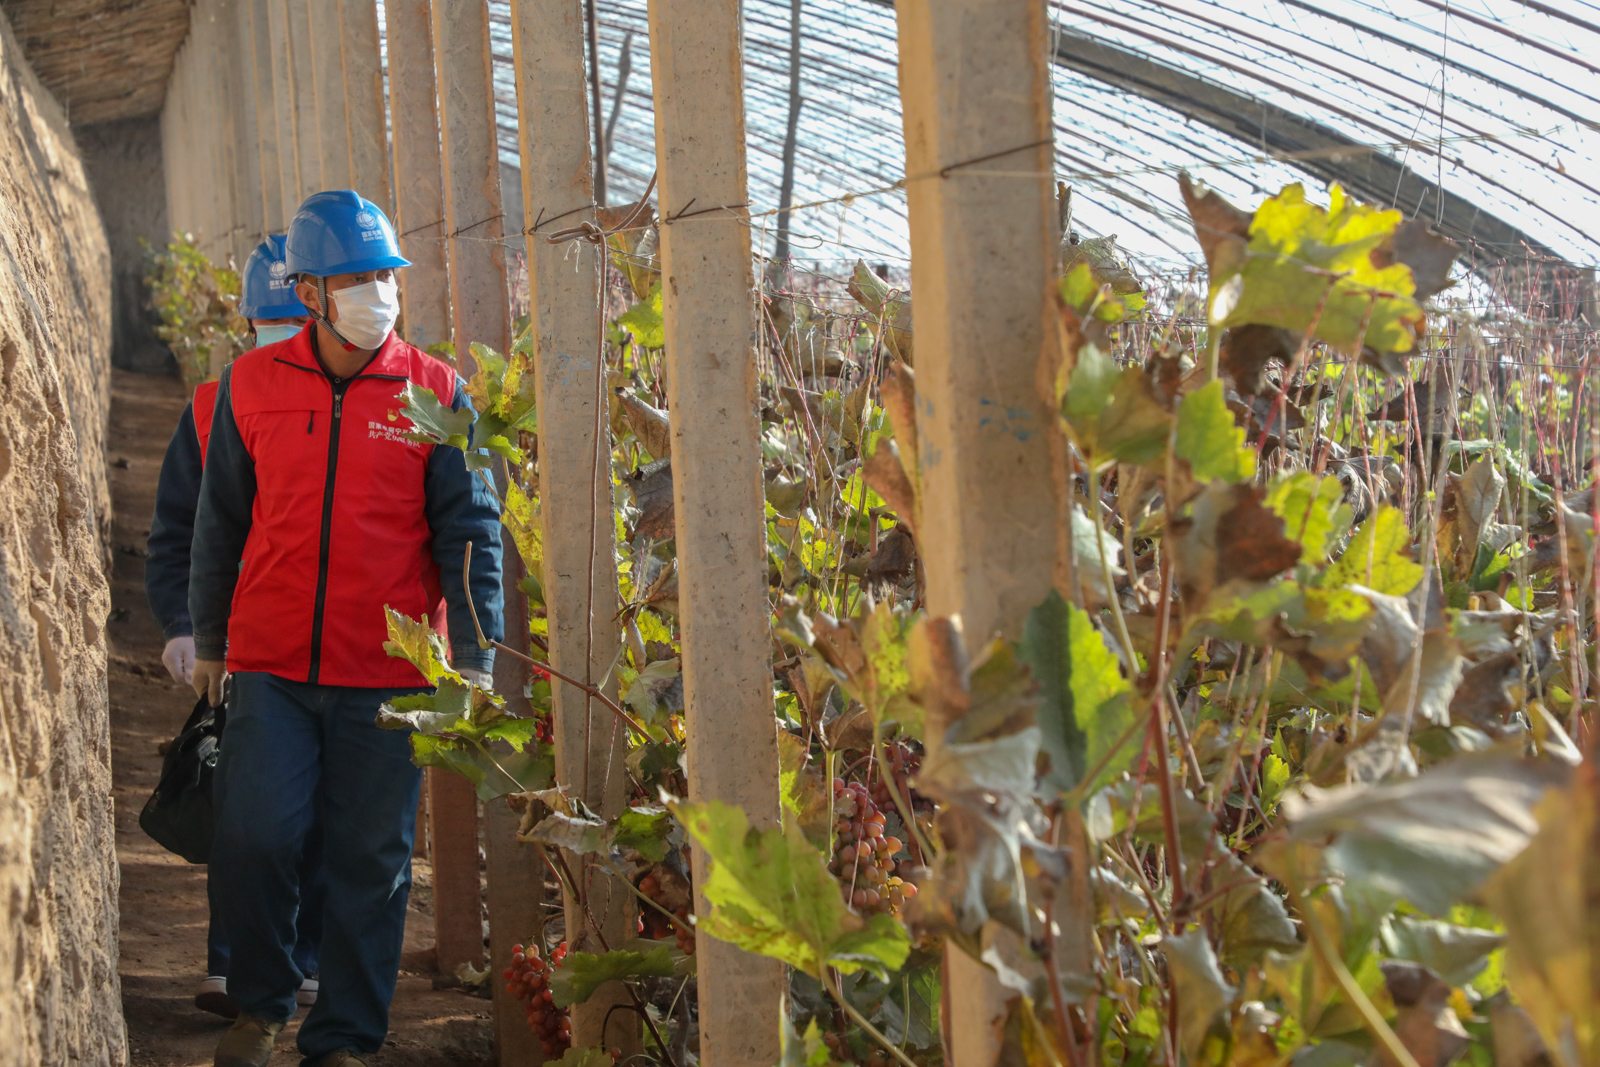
[1479, 116]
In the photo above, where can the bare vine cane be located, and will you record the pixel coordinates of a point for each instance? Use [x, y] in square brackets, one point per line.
[588, 231]
[483, 642]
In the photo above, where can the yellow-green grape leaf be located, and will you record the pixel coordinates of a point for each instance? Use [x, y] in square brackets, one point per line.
[1274, 780]
[645, 322]
[433, 422]
[652, 628]
[521, 517]
[1297, 248]
[1134, 428]
[1379, 556]
[1084, 707]
[416, 641]
[771, 893]
[1089, 387]
[1079, 286]
[1313, 511]
[857, 494]
[883, 642]
[581, 973]
[1208, 438]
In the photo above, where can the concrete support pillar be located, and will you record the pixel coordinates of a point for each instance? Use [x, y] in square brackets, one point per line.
[249, 202]
[224, 78]
[303, 80]
[574, 469]
[172, 146]
[697, 66]
[363, 102]
[327, 75]
[283, 107]
[470, 170]
[217, 135]
[273, 220]
[419, 196]
[974, 84]
[425, 304]
[470, 166]
[209, 166]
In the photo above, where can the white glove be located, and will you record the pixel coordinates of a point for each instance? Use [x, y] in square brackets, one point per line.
[179, 659]
[481, 679]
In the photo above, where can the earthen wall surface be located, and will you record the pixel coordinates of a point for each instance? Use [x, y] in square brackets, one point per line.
[59, 999]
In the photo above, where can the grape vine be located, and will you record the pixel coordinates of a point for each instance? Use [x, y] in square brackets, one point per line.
[1322, 629]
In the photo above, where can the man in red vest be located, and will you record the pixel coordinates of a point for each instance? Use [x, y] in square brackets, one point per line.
[316, 512]
[274, 313]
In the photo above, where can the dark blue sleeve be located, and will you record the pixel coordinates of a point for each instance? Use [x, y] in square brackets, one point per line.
[461, 508]
[166, 570]
[221, 527]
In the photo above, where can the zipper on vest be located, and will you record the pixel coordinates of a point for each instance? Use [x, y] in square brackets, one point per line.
[339, 386]
[310, 422]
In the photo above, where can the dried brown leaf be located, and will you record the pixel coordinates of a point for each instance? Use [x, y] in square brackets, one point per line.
[1246, 351]
[1429, 255]
[1425, 1024]
[649, 424]
[887, 476]
[1222, 229]
[652, 491]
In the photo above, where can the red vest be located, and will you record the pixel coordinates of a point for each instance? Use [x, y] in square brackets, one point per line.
[205, 403]
[340, 527]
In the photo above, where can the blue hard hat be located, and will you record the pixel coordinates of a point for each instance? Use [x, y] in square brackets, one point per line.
[340, 232]
[265, 291]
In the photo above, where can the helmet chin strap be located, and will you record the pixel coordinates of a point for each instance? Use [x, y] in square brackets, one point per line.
[321, 315]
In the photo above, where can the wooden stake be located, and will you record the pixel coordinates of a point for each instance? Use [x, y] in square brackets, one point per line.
[419, 195]
[516, 871]
[697, 68]
[975, 93]
[363, 99]
[579, 578]
[453, 837]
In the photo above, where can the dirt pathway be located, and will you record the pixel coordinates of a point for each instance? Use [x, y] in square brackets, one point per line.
[163, 898]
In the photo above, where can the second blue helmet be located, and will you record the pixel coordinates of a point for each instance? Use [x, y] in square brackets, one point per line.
[341, 232]
[265, 291]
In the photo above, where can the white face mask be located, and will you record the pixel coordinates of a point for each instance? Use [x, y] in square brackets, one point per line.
[271, 335]
[367, 312]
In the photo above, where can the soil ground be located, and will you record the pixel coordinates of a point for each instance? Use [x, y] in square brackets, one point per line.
[163, 898]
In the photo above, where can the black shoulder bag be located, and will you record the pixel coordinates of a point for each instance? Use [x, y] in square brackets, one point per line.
[178, 814]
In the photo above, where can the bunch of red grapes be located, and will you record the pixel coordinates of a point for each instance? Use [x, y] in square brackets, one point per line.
[655, 925]
[904, 763]
[542, 731]
[528, 979]
[864, 857]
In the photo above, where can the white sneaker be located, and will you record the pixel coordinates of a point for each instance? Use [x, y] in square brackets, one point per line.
[212, 995]
[306, 995]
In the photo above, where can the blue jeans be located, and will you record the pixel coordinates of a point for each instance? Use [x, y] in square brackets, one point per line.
[308, 924]
[298, 754]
